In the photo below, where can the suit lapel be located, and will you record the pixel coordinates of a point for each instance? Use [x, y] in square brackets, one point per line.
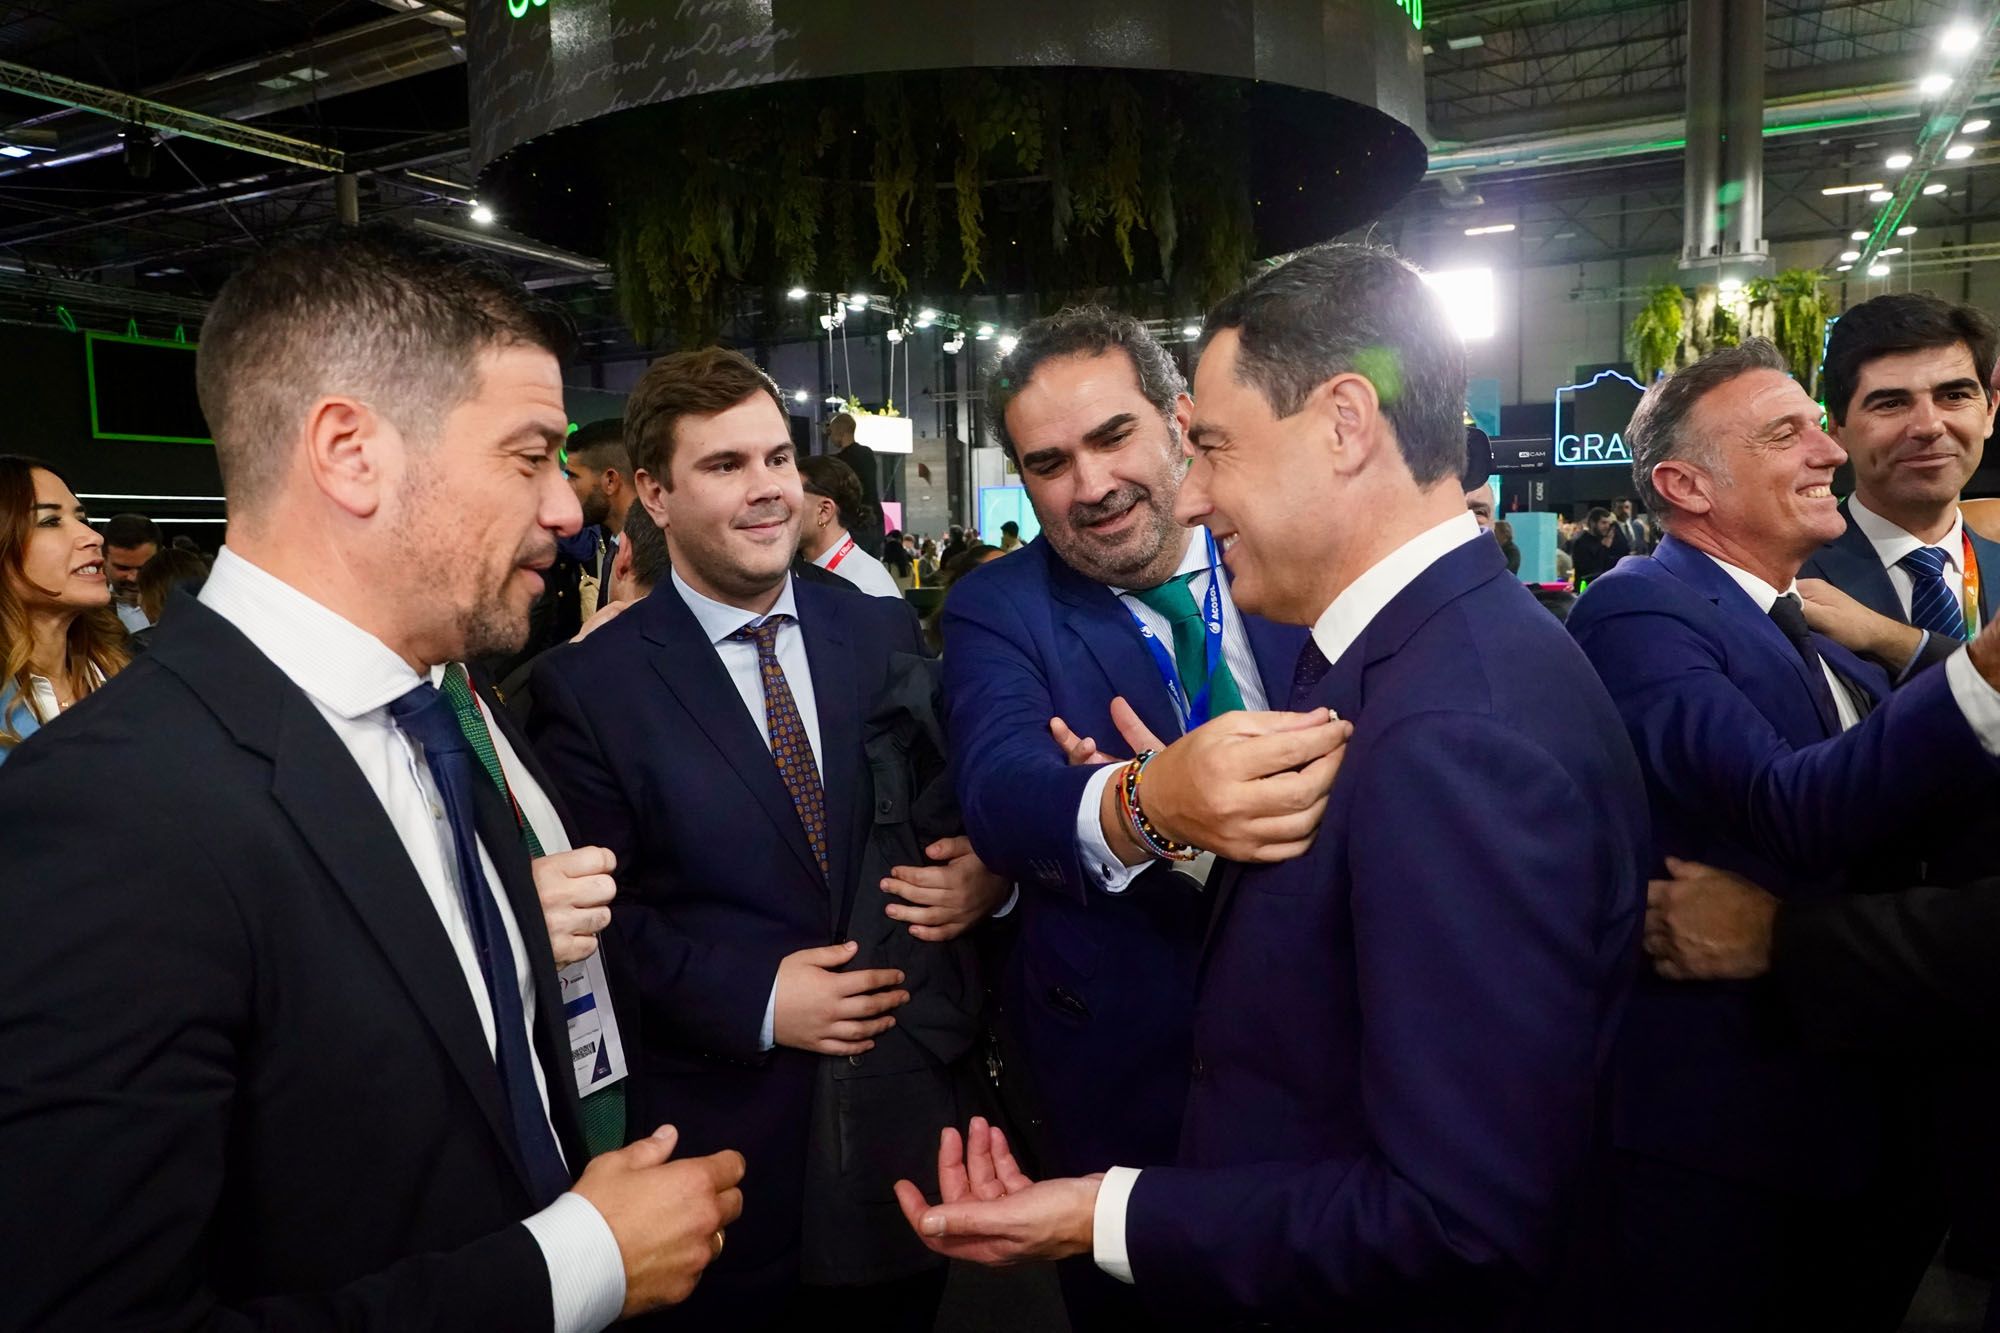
[1095, 615]
[1695, 568]
[836, 698]
[1276, 648]
[688, 665]
[1850, 563]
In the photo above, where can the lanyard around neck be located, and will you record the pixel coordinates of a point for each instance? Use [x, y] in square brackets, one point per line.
[1193, 712]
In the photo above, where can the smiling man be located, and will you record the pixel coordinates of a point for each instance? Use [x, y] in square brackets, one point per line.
[714, 737]
[1757, 1186]
[1907, 397]
[1398, 1031]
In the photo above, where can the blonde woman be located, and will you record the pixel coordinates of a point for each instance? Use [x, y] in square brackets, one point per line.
[59, 639]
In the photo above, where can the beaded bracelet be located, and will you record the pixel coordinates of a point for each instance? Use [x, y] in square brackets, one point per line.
[1155, 842]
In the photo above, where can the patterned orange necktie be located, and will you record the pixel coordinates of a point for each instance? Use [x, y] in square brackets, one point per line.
[791, 747]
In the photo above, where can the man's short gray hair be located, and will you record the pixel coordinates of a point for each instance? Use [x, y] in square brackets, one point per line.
[1660, 430]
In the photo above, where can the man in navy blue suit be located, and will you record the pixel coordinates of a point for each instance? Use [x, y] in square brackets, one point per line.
[1907, 397]
[1115, 600]
[1398, 1034]
[1758, 1186]
[713, 737]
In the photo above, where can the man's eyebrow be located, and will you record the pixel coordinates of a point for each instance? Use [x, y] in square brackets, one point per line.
[1109, 427]
[1040, 456]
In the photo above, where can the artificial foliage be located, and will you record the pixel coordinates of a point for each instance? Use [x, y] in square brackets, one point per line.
[1126, 187]
[1677, 326]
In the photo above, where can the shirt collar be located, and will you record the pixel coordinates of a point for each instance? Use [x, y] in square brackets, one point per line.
[1362, 600]
[343, 667]
[1759, 591]
[1892, 543]
[833, 548]
[719, 620]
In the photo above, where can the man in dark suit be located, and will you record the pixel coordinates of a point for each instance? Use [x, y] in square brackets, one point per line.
[1398, 1033]
[578, 585]
[712, 739]
[1907, 398]
[289, 1052]
[1098, 998]
[1758, 1185]
[868, 530]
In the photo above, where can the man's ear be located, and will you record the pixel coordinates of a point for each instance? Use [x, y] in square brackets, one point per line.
[1347, 414]
[353, 455]
[652, 496]
[1684, 485]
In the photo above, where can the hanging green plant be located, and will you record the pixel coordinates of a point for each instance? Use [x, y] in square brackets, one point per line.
[1791, 311]
[1653, 339]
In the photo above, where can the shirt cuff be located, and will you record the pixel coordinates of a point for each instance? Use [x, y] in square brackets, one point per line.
[1107, 1223]
[1979, 701]
[767, 1036]
[1013, 898]
[1100, 865]
[1923, 642]
[586, 1271]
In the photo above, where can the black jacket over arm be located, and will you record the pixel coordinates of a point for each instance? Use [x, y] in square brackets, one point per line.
[243, 1083]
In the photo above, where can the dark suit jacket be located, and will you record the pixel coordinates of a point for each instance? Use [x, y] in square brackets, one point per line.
[652, 747]
[1743, 773]
[1399, 1035]
[1099, 990]
[245, 1081]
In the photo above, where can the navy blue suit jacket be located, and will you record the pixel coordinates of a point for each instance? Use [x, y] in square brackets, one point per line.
[1743, 773]
[1399, 1035]
[649, 743]
[1100, 986]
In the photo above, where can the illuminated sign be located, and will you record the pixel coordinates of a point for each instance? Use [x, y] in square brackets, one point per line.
[519, 8]
[1591, 420]
[1414, 8]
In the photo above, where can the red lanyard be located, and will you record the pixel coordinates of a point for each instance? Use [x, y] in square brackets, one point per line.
[840, 555]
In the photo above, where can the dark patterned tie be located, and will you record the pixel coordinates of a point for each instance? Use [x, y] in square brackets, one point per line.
[1311, 670]
[603, 1110]
[791, 747]
[1790, 616]
[1932, 606]
[427, 717]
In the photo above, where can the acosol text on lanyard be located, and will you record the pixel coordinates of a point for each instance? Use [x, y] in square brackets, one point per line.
[1193, 712]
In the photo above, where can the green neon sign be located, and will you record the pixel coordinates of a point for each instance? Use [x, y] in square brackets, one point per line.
[519, 8]
[1414, 8]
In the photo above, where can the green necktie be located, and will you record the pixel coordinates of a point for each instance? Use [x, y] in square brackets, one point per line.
[603, 1111]
[1174, 599]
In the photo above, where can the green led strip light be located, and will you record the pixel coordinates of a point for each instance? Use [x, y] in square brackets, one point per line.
[90, 340]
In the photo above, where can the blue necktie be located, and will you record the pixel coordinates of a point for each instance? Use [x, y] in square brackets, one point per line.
[427, 717]
[1932, 606]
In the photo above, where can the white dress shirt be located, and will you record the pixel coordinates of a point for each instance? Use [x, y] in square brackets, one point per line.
[1979, 701]
[1093, 848]
[1335, 632]
[131, 616]
[719, 620]
[352, 677]
[846, 559]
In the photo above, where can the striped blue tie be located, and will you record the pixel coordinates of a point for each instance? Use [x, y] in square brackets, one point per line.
[1932, 606]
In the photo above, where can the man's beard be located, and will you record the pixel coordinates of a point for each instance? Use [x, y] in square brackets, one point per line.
[596, 508]
[1139, 551]
[491, 626]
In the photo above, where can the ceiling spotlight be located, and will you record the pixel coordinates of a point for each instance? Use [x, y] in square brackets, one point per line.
[12, 150]
[1851, 189]
[1906, 231]
[799, 395]
[834, 400]
[857, 303]
[985, 331]
[481, 213]
[956, 345]
[1933, 85]
[1190, 331]
[894, 335]
[1878, 270]
[1849, 256]
[1936, 187]
[1008, 342]
[1857, 235]
[1843, 268]
[1958, 40]
[923, 323]
[796, 294]
[1879, 196]
[1496, 229]
[1975, 126]
[827, 322]
[1958, 152]
[1892, 250]
[927, 315]
[1897, 161]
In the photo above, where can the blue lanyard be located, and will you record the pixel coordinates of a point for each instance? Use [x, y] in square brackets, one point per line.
[1192, 712]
